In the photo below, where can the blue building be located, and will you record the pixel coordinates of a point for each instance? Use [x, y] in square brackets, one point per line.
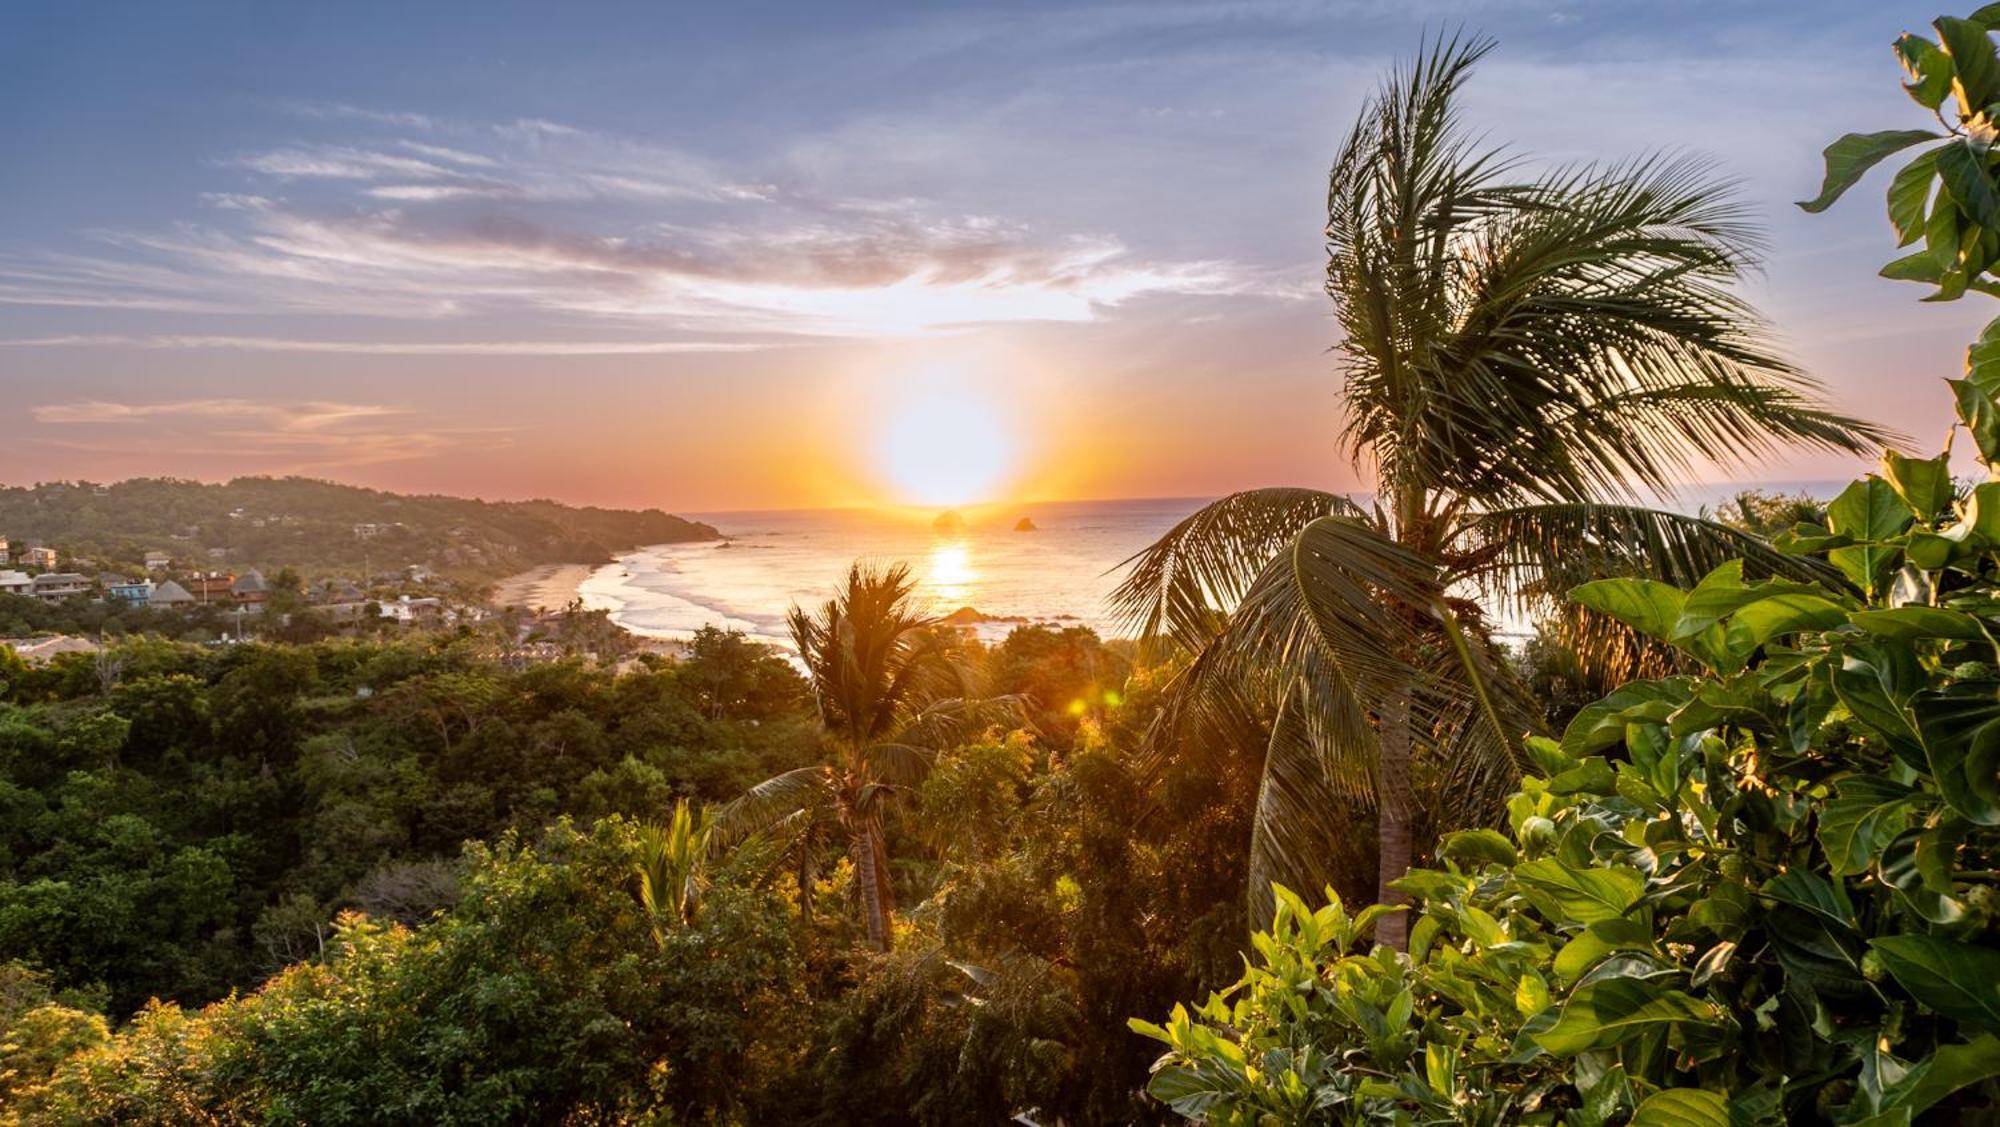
[134, 591]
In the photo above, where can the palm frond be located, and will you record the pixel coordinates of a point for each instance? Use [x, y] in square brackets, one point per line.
[764, 807]
[897, 764]
[1596, 345]
[1527, 558]
[1302, 806]
[1183, 585]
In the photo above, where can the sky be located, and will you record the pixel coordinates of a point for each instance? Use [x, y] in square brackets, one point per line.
[731, 256]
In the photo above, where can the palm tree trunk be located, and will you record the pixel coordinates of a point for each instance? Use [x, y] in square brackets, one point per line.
[868, 882]
[1392, 811]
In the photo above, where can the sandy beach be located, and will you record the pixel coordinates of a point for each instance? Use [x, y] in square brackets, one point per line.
[548, 587]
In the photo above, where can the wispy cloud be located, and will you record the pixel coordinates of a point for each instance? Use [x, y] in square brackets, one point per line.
[271, 437]
[451, 220]
[393, 348]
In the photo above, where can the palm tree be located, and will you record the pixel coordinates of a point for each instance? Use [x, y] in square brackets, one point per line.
[1523, 359]
[886, 685]
[671, 867]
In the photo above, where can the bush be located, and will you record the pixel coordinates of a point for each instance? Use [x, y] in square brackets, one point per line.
[1762, 893]
[543, 994]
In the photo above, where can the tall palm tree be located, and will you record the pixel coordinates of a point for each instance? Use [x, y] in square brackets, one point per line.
[887, 686]
[1523, 359]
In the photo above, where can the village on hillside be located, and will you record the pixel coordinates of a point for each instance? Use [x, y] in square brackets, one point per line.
[54, 603]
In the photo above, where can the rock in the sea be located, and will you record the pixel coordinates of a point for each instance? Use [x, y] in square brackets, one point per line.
[1025, 524]
[949, 523]
[973, 616]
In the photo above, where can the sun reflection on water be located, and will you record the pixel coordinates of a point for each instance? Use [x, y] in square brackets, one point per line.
[950, 576]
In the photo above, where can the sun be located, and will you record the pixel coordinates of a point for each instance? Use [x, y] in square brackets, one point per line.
[943, 446]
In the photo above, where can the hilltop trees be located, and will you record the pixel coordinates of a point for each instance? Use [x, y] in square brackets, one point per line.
[1520, 356]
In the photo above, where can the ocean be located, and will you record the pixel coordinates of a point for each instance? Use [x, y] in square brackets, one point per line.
[1061, 573]
[771, 560]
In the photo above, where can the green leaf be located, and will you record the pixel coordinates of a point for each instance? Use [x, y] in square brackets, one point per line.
[1961, 739]
[1599, 939]
[1861, 820]
[1959, 980]
[1683, 1107]
[1982, 359]
[1912, 623]
[1849, 158]
[1946, 1071]
[1977, 410]
[1480, 847]
[1929, 70]
[1584, 895]
[1602, 724]
[1612, 1011]
[1812, 893]
[1646, 605]
[1909, 196]
[1975, 71]
[1924, 484]
[1870, 512]
[1963, 174]
[1916, 267]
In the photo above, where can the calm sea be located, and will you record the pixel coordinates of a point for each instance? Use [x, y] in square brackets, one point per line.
[774, 559]
[1060, 573]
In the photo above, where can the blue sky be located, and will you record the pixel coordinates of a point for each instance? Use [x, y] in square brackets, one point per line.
[683, 255]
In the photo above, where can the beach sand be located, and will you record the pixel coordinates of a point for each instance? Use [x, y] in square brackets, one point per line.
[548, 587]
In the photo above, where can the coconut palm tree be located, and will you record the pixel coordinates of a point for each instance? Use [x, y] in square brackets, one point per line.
[1524, 359]
[888, 687]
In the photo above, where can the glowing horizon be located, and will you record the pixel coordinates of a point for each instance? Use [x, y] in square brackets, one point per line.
[964, 257]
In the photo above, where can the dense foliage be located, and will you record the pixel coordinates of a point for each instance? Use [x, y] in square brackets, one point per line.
[310, 525]
[1765, 891]
[177, 821]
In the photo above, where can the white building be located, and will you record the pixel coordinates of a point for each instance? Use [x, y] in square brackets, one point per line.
[15, 582]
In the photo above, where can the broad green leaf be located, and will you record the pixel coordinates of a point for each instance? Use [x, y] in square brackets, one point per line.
[1600, 939]
[1946, 1071]
[1964, 177]
[1775, 616]
[1811, 892]
[1479, 847]
[1865, 815]
[1959, 980]
[1982, 359]
[1977, 410]
[1683, 1107]
[1942, 231]
[1584, 895]
[1980, 515]
[1909, 196]
[1912, 623]
[1592, 776]
[1849, 158]
[1917, 266]
[1975, 71]
[1612, 1011]
[1869, 690]
[1929, 70]
[1646, 605]
[1869, 511]
[1602, 724]
[1961, 741]
[1924, 484]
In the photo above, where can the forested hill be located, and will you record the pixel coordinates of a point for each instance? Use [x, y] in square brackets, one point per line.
[323, 527]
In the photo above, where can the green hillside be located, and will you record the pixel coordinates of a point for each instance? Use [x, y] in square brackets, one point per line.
[323, 527]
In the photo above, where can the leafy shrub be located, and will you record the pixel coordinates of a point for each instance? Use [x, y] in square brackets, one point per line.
[1762, 893]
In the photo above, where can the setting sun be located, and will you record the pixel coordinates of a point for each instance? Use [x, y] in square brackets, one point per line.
[945, 446]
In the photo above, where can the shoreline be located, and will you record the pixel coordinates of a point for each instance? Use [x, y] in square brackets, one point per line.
[542, 588]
